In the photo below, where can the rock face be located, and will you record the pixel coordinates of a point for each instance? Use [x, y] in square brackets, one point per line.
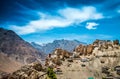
[68, 45]
[106, 48]
[99, 47]
[84, 50]
[16, 48]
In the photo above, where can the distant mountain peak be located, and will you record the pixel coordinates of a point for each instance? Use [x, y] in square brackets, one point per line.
[68, 45]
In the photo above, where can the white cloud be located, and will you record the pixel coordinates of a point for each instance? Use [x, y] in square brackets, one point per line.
[91, 25]
[67, 16]
[86, 13]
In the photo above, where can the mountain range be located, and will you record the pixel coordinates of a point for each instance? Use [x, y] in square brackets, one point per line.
[68, 45]
[15, 51]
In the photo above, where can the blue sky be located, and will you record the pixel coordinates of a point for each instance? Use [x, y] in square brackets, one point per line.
[43, 21]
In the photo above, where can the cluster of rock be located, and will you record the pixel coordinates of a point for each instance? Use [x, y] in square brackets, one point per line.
[84, 49]
[31, 71]
[108, 73]
[57, 57]
[98, 46]
[106, 48]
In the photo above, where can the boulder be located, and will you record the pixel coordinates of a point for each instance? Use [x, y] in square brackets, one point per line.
[90, 49]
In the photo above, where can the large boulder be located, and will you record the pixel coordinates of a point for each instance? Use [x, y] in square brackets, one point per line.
[80, 49]
[90, 49]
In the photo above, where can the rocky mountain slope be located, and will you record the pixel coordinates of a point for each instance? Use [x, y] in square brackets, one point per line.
[39, 48]
[14, 50]
[30, 71]
[7, 64]
[68, 45]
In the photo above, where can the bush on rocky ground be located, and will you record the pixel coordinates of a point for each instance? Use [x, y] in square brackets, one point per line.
[51, 73]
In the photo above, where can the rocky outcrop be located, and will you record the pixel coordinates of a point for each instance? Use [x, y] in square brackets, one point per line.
[84, 50]
[103, 47]
[57, 57]
[31, 71]
[89, 49]
[106, 48]
[61, 53]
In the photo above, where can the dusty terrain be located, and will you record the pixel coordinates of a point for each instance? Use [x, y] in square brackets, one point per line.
[92, 68]
[75, 71]
[8, 65]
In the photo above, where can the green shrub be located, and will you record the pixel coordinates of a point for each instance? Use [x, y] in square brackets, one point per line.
[51, 73]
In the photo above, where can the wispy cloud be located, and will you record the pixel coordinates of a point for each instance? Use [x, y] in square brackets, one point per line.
[66, 17]
[91, 25]
[83, 14]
